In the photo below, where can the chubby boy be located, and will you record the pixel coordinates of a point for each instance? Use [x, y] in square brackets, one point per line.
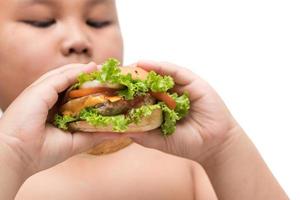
[37, 36]
[39, 39]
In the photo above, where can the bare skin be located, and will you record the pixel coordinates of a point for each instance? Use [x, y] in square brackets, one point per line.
[209, 134]
[132, 173]
[36, 37]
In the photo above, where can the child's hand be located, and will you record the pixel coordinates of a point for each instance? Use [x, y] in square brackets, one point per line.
[210, 135]
[207, 126]
[23, 126]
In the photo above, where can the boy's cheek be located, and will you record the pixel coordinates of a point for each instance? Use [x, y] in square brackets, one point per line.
[25, 55]
[107, 44]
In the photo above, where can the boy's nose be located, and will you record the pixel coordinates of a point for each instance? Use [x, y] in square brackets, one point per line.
[76, 46]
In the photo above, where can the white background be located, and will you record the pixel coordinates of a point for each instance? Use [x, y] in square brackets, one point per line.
[248, 50]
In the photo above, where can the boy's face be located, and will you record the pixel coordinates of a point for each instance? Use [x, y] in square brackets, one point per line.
[39, 35]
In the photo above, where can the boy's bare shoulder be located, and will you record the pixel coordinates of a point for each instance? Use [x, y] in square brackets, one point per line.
[135, 172]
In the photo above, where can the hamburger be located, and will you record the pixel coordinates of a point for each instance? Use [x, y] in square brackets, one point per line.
[121, 99]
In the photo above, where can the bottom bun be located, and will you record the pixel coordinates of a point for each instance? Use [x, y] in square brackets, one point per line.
[148, 123]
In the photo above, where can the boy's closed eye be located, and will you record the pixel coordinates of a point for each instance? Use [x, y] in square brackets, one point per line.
[40, 23]
[49, 22]
[98, 23]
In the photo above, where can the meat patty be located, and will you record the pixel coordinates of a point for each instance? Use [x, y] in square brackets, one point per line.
[122, 106]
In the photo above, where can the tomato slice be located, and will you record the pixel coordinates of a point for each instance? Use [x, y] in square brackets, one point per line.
[162, 96]
[87, 91]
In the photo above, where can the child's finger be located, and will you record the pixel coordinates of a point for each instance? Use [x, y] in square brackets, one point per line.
[49, 88]
[61, 81]
[181, 76]
[60, 70]
[196, 90]
[55, 71]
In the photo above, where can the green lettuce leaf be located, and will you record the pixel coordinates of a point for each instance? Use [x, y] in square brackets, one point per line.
[92, 116]
[158, 83]
[170, 117]
[119, 122]
[111, 73]
[182, 104]
[133, 87]
[62, 121]
[137, 114]
[82, 78]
